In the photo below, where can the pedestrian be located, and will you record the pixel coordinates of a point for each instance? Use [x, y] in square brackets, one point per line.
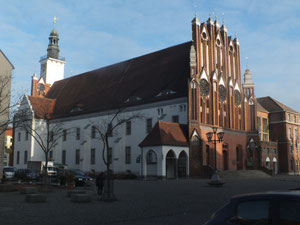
[99, 183]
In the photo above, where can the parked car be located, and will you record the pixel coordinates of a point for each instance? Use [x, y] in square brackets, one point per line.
[27, 175]
[9, 172]
[80, 178]
[269, 208]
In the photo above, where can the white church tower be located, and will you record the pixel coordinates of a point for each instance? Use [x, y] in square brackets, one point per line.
[52, 66]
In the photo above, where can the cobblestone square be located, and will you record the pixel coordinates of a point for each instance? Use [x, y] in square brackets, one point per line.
[186, 201]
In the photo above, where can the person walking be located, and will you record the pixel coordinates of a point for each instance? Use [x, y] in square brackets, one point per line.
[100, 182]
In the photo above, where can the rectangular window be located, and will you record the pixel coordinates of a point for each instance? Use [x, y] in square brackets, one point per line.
[18, 157]
[93, 132]
[93, 156]
[25, 157]
[128, 127]
[63, 157]
[51, 155]
[295, 119]
[259, 127]
[64, 135]
[296, 134]
[77, 133]
[19, 136]
[109, 130]
[77, 156]
[289, 117]
[290, 133]
[26, 136]
[148, 125]
[110, 155]
[175, 119]
[127, 154]
[160, 112]
[51, 135]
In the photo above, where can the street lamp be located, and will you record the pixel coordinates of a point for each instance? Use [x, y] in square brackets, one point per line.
[214, 137]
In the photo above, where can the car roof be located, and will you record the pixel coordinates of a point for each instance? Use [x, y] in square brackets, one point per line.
[268, 195]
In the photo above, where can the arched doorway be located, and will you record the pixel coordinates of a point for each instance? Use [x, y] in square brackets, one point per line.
[275, 166]
[182, 164]
[225, 156]
[171, 165]
[239, 158]
[268, 164]
[151, 163]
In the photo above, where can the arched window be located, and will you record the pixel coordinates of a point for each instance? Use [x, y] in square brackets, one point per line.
[151, 157]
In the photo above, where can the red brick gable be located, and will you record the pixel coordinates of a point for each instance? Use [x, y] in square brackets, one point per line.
[166, 133]
[139, 80]
[42, 107]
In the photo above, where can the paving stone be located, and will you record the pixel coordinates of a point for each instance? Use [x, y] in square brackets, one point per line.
[70, 193]
[81, 198]
[29, 190]
[35, 198]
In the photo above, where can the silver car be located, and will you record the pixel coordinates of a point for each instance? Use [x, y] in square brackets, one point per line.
[9, 172]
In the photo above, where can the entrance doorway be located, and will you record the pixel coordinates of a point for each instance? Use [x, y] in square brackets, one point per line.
[182, 164]
[239, 158]
[170, 165]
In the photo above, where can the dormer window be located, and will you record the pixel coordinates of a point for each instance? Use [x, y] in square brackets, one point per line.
[165, 92]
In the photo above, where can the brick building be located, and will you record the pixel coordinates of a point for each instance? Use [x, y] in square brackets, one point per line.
[281, 124]
[185, 92]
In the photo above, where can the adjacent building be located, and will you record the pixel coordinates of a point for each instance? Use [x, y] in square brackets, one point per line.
[6, 68]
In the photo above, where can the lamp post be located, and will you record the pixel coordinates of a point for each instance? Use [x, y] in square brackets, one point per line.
[214, 137]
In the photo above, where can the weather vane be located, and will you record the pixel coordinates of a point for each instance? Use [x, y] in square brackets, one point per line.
[223, 14]
[55, 19]
[246, 62]
[195, 7]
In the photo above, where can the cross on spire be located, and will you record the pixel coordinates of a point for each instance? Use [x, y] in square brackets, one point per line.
[246, 62]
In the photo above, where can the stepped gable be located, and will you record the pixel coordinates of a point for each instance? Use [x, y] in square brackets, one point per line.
[272, 105]
[166, 133]
[42, 107]
[153, 77]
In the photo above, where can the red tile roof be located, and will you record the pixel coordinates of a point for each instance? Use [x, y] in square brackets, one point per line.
[42, 107]
[8, 131]
[166, 133]
[272, 105]
[141, 80]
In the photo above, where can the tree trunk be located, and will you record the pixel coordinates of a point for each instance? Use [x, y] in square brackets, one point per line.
[108, 194]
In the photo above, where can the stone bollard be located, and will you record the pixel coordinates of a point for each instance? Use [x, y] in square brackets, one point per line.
[70, 193]
[29, 190]
[81, 198]
[35, 198]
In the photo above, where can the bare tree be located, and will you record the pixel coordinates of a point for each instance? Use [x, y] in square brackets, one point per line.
[40, 125]
[106, 128]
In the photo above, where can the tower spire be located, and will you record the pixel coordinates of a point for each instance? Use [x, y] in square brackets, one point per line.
[53, 48]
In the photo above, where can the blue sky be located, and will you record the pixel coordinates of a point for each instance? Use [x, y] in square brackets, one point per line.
[95, 33]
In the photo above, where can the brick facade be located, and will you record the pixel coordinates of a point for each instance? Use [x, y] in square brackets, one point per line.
[218, 99]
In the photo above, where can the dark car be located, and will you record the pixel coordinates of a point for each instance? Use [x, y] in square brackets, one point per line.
[269, 208]
[27, 175]
[80, 178]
